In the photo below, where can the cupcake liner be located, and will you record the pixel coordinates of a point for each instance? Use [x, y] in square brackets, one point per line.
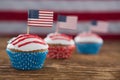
[28, 60]
[88, 48]
[60, 52]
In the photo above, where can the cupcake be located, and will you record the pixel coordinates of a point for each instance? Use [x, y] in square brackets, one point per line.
[88, 43]
[27, 52]
[61, 46]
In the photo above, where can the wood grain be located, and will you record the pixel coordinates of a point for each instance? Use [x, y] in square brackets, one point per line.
[104, 66]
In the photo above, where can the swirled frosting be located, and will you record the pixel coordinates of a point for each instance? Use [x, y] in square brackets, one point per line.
[88, 37]
[27, 42]
[57, 38]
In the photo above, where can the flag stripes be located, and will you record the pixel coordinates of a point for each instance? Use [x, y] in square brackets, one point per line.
[82, 16]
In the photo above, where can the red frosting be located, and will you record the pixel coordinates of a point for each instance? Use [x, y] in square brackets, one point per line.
[23, 37]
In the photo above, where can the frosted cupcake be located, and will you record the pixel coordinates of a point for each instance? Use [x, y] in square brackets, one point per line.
[61, 46]
[88, 43]
[27, 52]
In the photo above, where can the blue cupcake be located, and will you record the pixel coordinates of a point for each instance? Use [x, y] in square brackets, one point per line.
[27, 52]
[88, 43]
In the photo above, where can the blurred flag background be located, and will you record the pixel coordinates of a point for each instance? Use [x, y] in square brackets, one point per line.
[14, 14]
[99, 26]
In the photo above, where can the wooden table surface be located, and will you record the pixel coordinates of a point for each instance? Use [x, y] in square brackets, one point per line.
[104, 66]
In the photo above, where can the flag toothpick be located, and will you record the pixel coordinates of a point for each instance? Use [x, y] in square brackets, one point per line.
[39, 18]
[99, 27]
[66, 22]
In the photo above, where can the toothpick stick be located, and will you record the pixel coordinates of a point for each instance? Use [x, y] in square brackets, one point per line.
[89, 30]
[28, 29]
[57, 28]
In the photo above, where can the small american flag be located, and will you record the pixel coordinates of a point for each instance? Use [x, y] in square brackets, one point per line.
[99, 26]
[40, 18]
[68, 22]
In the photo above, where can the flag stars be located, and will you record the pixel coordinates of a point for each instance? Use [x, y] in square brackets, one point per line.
[33, 14]
[62, 18]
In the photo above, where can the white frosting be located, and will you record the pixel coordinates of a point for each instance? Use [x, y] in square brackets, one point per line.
[27, 47]
[88, 37]
[49, 40]
[11, 40]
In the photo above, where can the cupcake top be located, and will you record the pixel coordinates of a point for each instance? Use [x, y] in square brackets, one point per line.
[57, 38]
[88, 37]
[27, 42]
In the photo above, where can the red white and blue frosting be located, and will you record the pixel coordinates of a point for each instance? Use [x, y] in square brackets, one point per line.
[88, 37]
[57, 38]
[27, 42]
